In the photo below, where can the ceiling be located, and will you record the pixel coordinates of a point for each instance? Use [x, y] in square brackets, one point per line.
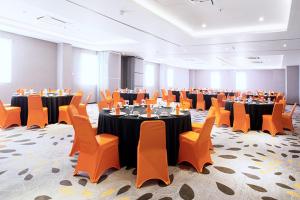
[228, 34]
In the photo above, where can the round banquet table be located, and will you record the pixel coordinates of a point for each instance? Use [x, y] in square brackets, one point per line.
[127, 128]
[51, 102]
[207, 99]
[272, 97]
[131, 96]
[255, 110]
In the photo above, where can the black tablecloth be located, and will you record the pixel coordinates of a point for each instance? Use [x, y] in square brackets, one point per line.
[132, 96]
[256, 111]
[51, 102]
[207, 99]
[127, 128]
[229, 93]
[177, 94]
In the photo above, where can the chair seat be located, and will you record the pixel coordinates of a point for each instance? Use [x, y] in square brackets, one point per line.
[190, 135]
[196, 126]
[224, 111]
[105, 138]
[267, 116]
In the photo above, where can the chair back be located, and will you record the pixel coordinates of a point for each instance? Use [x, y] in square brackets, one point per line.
[278, 97]
[220, 98]
[139, 97]
[239, 111]
[155, 95]
[85, 134]
[170, 93]
[107, 93]
[283, 102]
[35, 103]
[216, 106]
[200, 97]
[204, 135]
[116, 96]
[164, 94]
[76, 99]
[2, 109]
[152, 136]
[277, 115]
[102, 104]
[183, 94]
[72, 111]
[211, 112]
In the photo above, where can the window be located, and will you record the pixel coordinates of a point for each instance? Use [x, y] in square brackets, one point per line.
[149, 76]
[88, 69]
[215, 80]
[240, 81]
[5, 60]
[170, 78]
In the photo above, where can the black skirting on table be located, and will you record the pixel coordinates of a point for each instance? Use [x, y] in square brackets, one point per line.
[255, 111]
[132, 96]
[127, 128]
[51, 102]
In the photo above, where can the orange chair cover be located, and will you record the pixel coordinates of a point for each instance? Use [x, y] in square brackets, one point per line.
[241, 120]
[37, 115]
[273, 123]
[9, 116]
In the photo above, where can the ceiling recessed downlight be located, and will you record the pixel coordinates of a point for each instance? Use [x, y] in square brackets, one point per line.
[284, 45]
[203, 25]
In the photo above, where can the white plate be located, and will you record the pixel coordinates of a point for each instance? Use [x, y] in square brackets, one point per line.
[105, 109]
[121, 114]
[145, 116]
[184, 109]
[174, 113]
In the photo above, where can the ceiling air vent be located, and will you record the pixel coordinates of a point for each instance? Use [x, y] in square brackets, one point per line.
[253, 58]
[202, 1]
[257, 62]
[52, 21]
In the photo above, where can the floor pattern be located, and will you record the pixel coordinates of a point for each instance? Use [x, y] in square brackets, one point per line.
[34, 165]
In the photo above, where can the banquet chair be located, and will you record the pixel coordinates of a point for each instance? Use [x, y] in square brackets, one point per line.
[287, 119]
[279, 97]
[164, 94]
[200, 102]
[273, 123]
[222, 116]
[221, 97]
[152, 100]
[194, 147]
[171, 97]
[37, 114]
[241, 120]
[97, 152]
[185, 104]
[152, 161]
[283, 102]
[117, 98]
[139, 98]
[108, 94]
[72, 111]
[102, 104]
[82, 106]
[184, 98]
[9, 116]
[63, 115]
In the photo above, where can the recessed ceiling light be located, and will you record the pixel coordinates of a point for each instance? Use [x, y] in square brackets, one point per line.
[284, 45]
[203, 25]
[261, 19]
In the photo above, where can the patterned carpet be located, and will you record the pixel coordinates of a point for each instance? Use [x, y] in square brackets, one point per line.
[34, 164]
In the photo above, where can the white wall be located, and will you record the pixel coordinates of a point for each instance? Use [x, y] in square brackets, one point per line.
[256, 79]
[33, 65]
[180, 77]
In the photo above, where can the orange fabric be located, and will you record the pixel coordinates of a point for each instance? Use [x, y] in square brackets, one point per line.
[152, 100]
[273, 123]
[164, 95]
[287, 119]
[221, 97]
[63, 115]
[72, 111]
[108, 94]
[184, 100]
[152, 161]
[185, 104]
[102, 104]
[117, 98]
[194, 147]
[283, 102]
[97, 153]
[241, 119]
[222, 116]
[200, 102]
[37, 115]
[9, 116]
[139, 98]
[171, 97]
[82, 106]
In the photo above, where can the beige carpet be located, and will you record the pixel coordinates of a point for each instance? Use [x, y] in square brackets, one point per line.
[34, 164]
